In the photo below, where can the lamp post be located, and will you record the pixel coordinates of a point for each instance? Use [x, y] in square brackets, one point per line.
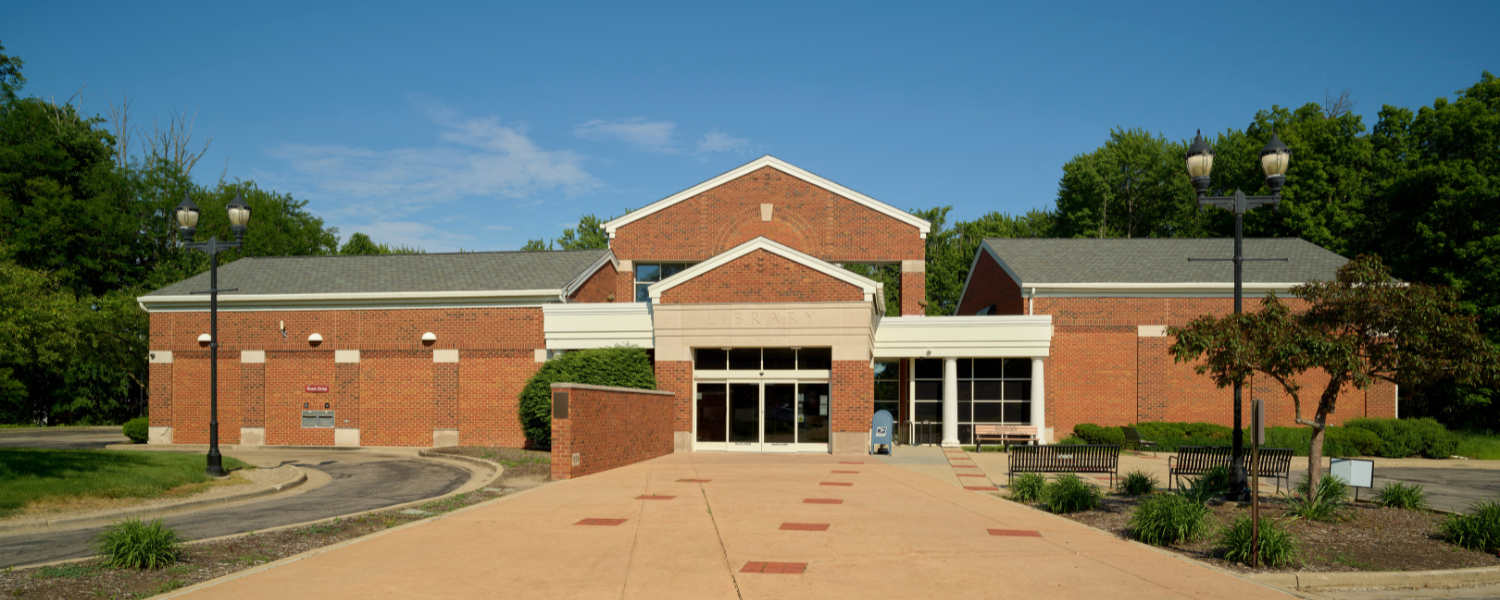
[1274, 159]
[187, 223]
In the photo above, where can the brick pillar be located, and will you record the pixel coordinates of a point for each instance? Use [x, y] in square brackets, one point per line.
[252, 430]
[676, 376]
[445, 398]
[160, 407]
[852, 404]
[913, 286]
[625, 282]
[346, 377]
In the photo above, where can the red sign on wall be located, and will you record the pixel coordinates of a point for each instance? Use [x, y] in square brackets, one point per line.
[317, 389]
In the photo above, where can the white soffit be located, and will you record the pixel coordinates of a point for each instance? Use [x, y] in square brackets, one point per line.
[770, 161]
[351, 301]
[873, 290]
[978, 337]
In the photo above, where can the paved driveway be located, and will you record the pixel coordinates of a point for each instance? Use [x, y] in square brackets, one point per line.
[743, 526]
[359, 482]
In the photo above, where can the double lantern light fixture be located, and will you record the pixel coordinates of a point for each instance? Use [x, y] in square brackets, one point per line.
[187, 223]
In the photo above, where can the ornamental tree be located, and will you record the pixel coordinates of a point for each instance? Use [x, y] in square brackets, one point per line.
[1362, 327]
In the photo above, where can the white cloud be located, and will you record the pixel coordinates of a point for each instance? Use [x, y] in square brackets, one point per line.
[475, 157]
[650, 136]
[718, 141]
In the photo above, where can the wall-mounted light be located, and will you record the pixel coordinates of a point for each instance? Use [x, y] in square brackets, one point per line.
[429, 338]
[205, 338]
[283, 329]
[315, 339]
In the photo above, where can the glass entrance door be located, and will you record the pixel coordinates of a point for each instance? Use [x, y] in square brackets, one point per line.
[773, 416]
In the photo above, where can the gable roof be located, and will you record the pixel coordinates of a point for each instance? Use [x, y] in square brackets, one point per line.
[770, 161]
[332, 281]
[1078, 266]
[873, 290]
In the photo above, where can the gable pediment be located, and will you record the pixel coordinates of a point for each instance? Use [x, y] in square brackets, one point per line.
[795, 272]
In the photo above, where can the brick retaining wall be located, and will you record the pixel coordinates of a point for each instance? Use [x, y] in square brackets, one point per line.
[608, 427]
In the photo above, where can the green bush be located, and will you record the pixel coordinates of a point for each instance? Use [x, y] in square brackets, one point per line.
[1028, 487]
[1068, 494]
[1203, 488]
[1139, 482]
[1396, 494]
[1277, 547]
[1100, 435]
[1168, 519]
[138, 430]
[1350, 441]
[1073, 440]
[620, 366]
[1332, 495]
[1477, 530]
[1400, 438]
[137, 545]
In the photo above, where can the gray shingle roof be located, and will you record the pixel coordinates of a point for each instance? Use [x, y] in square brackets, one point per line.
[1155, 260]
[459, 272]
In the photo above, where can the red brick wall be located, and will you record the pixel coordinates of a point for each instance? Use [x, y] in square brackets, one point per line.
[489, 392]
[395, 398]
[913, 290]
[598, 287]
[288, 373]
[761, 276]
[806, 217]
[610, 428]
[677, 377]
[990, 284]
[1101, 371]
[190, 386]
[161, 394]
[853, 400]
[252, 395]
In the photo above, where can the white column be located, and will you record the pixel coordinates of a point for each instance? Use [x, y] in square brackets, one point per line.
[950, 403]
[1039, 399]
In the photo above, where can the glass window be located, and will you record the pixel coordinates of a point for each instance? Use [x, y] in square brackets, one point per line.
[744, 359]
[929, 368]
[888, 388]
[1018, 368]
[711, 359]
[779, 358]
[809, 359]
[649, 273]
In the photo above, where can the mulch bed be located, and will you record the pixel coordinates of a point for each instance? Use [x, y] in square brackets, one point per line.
[202, 562]
[1364, 537]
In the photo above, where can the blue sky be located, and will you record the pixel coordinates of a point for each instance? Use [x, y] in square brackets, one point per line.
[480, 125]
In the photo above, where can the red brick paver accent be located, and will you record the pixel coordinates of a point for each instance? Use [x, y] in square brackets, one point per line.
[848, 472]
[981, 488]
[654, 497]
[694, 480]
[804, 527]
[971, 475]
[851, 462]
[604, 522]
[1016, 532]
[842, 483]
[774, 568]
[822, 501]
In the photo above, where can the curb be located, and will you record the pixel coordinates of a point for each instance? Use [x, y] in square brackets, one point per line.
[82, 521]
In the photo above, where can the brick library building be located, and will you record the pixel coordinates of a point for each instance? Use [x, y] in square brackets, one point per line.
[736, 288]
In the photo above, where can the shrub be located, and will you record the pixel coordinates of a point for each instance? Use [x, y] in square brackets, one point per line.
[1168, 519]
[1477, 530]
[1406, 437]
[1073, 440]
[620, 366]
[1139, 482]
[1028, 487]
[1100, 435]
[138, 430]
[1331, 496]
[1350, 441]
[1277, 547]
[1396, 494]
[137, 545]
[1068, 494]
[1203, 488]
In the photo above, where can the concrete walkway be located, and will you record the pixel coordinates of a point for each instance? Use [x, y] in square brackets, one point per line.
[707, 525]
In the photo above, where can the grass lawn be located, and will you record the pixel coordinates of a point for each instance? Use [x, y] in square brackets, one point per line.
[29, 476]
[1479, 445]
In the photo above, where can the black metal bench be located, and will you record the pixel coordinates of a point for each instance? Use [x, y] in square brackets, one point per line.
[1133, 438]
[1065, 459]
[1275, 463]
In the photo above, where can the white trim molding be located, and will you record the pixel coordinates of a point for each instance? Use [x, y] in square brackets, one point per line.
[596, 325]
[582, 278]
[874, 291]
[978, 337]
[921, 225]
[354, 301]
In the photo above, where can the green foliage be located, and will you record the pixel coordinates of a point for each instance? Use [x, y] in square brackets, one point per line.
[361, 244]
[132, 544]
[1100, 435]
[1072, 440]
[1028, 487]
[1277, 546]
[1205, 487]
[1484, 446]
[1068, 494]
[138, 430]
[1399, 438]
[620, 366]
[31, 475]
[72, 571]
[588, 236]
[11, 80]
[1165, 519]
[1478, 529]
[1133, 186]
[1332, 496]
[950, 250]
[1139, 482]
[1397, 494]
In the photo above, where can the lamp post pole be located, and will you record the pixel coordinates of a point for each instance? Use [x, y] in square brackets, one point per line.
[187, 222]
[1274, 159]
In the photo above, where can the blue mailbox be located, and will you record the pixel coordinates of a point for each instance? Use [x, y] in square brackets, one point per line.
[883, 432]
